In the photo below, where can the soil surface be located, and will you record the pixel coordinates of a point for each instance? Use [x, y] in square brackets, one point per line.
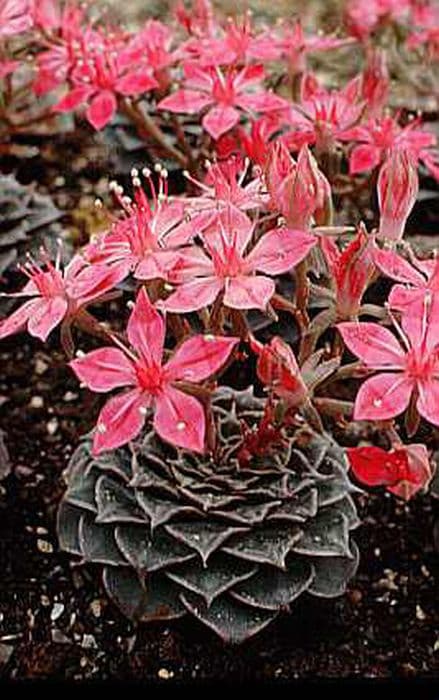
[57, 623]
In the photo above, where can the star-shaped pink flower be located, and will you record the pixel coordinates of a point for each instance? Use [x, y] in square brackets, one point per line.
[151, 384]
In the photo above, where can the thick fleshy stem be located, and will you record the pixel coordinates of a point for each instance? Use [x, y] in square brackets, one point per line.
[147, 127]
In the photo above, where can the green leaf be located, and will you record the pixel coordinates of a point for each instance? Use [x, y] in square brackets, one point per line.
[273, 589]
[268, 544]
[149, 552]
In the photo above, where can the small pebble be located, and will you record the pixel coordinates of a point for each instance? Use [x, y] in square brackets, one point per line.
[40, 366]
[420, 614]
[44, 546]
[96, 607]
[70, 396]
[57, 611]
[165, 675]
[52, 426]
[36, 402]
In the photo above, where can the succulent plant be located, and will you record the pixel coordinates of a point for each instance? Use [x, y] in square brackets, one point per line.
[27, 221]
[232, 545]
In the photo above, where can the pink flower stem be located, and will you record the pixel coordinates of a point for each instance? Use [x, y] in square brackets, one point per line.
[146, 126]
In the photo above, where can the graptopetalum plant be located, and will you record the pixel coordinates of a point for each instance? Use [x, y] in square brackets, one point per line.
[211, 484]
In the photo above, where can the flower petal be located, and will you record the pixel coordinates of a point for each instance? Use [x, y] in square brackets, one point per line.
[249, 292]
[199, 357]
[135, 83]
[180, 420]
[146, 329]
[101, 109]
[187, 101]
[376, 346]
[73, 99]
[120, 420]
[194, 295]
[364, 157]
[428, 402]
[280, 249]
[396, 267]
[382, 397]
[104, 369]
[46, 315]
[17, 321]
[220, 119]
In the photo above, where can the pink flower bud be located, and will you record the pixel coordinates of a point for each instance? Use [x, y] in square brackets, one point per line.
[398, 186]
[299, 190]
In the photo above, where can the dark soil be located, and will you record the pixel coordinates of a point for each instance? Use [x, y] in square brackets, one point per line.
[56, 622]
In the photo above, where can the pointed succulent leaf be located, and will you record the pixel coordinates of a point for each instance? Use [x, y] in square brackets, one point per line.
[116, 504]
[272, 589]
[142, 601]
[222, 574]
[203, 536]
[333, 573]
[327, 535]
[298, 508]
[97, 542]
[160, 510]
[148, 552]
[68, 528]
[268, 544]
[231, 620]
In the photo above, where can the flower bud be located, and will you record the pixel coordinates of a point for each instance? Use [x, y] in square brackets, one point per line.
[398, 186]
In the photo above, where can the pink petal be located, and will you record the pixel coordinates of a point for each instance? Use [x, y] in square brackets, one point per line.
[376, 346]
[180, 420]
[191, 296]
[120, 420]
[232, 222]
[135, 84]
[220, 119]
[92, 281]
[363, 158]
[190, 262]
[280, 249]
[187, 101]
[17, 321]
[46, 315]
[249, 292]
[396, 267]
[104, 369]
[157, 265]
[261, 102]
[102, 109]
[199, 357]
[428, 402]
[383, 397]
[73, 99]
[146, 329]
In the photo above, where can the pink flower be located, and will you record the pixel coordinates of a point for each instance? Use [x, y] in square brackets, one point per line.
[223, 94]
[15, 17]
[56, 296]
[178, 417]
[225, 268]
[378, 137]
[397, 187]
[415, 369]
[419, 286]
[151, 48]
[350, 270]
[56, 64]
[293, 45]
[277, 368]
[363, 18]
[99, 78]
[143, 240]
[236, 43]
[323, 116]
[299, 191]
[223, 188]
[404, 470]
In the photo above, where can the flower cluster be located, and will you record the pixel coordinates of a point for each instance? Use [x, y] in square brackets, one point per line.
[265, 148]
